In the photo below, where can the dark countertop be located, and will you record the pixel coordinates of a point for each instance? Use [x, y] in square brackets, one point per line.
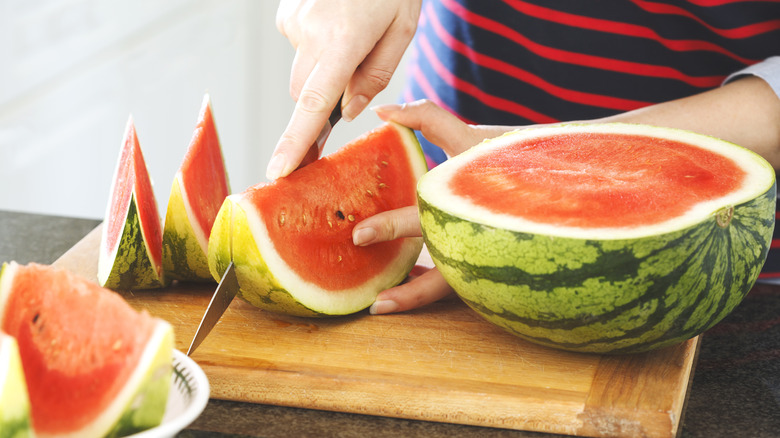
[735, 390]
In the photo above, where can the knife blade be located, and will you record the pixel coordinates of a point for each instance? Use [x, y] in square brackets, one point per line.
[223, 296]
[316, 148]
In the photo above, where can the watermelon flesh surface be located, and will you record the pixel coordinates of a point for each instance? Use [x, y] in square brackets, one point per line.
[597, 180]
[80, 346]
[311, 213]
[203, 175]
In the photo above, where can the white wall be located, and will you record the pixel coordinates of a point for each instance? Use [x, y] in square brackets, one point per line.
[73, 71]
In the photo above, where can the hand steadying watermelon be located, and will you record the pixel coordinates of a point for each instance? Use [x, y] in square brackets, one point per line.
[600, 237]
[291, 240]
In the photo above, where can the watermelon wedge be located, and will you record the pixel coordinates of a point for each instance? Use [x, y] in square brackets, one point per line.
[93, 365]
[291, 240]
[199, 189]
[131, 245]
[612, 238]
[14, 402]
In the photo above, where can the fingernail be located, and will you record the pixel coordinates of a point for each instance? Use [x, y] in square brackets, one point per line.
[363, 236]
[382, 110]
[276, 167]
[383, 306]
[353, 108]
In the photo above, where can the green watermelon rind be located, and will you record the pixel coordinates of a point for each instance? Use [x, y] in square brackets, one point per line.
[644, 306]
[14, 401]
[130, 267]
[184, 251]
[603, 295]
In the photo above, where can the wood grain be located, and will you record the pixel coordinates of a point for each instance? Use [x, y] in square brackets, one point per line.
[440, 363]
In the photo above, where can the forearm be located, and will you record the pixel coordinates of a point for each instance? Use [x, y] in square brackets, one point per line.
[745, 112]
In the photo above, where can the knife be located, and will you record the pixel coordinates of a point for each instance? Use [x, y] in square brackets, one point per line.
[316, 148]
[228, 285]
[226, 291]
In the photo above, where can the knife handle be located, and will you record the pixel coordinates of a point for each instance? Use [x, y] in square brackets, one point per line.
[315, 150]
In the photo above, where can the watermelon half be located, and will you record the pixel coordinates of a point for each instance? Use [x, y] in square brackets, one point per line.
[199, 189]
[600, 238]
[14, 402]
[131, 245]
[93, 365]
[291, 240]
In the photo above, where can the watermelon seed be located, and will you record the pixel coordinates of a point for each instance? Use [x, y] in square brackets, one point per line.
[351, 218]
[281, 219]
[330, 224]
[340, 214]
[382, 185]
[117, 345]
[369, 193]
[384, 163]
[35, 318]
[339, 260]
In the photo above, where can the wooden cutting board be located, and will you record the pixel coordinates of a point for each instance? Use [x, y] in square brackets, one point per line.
[439, 363]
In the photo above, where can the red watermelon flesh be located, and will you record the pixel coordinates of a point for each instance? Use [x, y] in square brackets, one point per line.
[344, 188]
[203, 171]
[79, 344]
[594, 180]
[132, 177]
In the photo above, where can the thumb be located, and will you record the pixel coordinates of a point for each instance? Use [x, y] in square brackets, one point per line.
[439, 126]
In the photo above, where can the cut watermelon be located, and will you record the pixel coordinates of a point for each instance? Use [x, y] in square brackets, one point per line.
[199, 189]
[291, 239]
[14, 402]
[93, 365]
[131, 246]
[600, 238]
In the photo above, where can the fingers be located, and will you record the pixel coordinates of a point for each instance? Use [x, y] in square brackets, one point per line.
[387, 225]
[438, 125]
[319, 95]
[425, 289]
[374, 73]
[342, 47]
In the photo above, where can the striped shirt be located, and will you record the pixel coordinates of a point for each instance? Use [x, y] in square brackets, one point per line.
[518, 62]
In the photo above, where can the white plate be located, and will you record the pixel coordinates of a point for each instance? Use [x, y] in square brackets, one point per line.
[186, 400]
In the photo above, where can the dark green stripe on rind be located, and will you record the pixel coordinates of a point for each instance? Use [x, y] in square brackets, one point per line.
[603, 295]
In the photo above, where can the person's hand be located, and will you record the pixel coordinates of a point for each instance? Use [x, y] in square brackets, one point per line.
[453, 136]
[342, 46]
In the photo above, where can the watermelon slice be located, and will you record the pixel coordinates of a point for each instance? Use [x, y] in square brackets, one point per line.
[93, 365]
[131, 245]
[291, 240]
[14, 402]
[199, 189]
[600, 238]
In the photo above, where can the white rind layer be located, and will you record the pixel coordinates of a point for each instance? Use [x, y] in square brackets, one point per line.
[434, 187]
